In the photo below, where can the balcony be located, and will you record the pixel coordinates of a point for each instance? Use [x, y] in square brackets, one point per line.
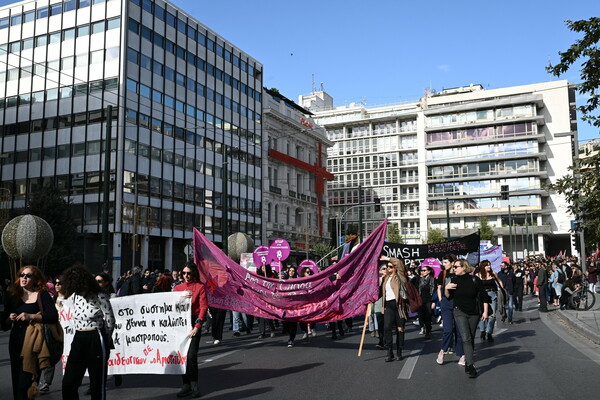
[274, 189]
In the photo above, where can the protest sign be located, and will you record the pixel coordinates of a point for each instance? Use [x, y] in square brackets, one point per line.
[461, 247]
[150, 336]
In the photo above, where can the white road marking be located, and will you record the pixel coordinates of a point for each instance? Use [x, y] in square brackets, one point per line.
[228, 353]
[410, 363]
[499, 331]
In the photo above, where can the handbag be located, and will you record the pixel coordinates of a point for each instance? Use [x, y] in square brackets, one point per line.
[53, 335]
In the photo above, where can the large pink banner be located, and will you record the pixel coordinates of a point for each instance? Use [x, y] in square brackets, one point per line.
[316, 298]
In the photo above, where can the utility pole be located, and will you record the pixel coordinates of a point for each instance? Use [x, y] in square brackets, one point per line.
[532, 235]
[527, 234]
[360, 214]
[447, 219]
[135, 222]
[106, 185]
[225, 221]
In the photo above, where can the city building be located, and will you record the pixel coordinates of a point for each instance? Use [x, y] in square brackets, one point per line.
[295, 189]
[462, 146]
[181, 97]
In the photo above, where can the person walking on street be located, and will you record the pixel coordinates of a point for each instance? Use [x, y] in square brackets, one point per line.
[490, 284]
[94, 323]
[426, 286]
[542, 284]
[395, 306]
[191, 284]
[507, 277]
[451, 336]
[470, 306]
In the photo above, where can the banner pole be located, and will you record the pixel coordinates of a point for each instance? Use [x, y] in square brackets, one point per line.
[362, 338]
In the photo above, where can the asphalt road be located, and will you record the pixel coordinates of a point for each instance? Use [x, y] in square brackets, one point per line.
[536, 357]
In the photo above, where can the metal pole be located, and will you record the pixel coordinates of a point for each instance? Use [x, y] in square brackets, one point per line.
[106, 186]
[360, 214]
[134, 231]
[582, 251]
[447, 219]
[527, 233]
[532, 234]
[225, 222]
[306, 244]
[512, 253]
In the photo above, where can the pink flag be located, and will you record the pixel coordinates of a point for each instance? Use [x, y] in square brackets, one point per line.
[315, 298]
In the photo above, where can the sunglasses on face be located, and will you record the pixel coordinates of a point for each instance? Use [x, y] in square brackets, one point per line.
[186, 273]
[100, 280]
[424, 270]
[24, 275]
[57, 283]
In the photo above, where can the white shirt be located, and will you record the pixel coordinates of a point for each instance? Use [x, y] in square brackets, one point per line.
[389, 293]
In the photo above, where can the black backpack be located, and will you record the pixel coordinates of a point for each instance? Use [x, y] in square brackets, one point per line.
[561, 276]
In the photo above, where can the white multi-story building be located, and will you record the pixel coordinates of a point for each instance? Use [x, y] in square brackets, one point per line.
[295, 189]
[444, 159]
[180, 93]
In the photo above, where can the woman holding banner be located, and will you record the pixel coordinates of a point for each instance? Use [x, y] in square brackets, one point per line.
[191, 284]
[393, 297]
[291, 327]
[94, 323]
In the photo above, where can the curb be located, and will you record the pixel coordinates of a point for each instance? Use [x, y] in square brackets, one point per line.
[579, 326]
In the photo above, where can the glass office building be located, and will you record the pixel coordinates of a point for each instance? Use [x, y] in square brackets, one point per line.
[180, 95]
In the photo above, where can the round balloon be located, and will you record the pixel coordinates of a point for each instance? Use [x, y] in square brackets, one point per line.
[27, 238]
[237, 244]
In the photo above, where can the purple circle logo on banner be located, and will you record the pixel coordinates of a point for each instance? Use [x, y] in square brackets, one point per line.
[279, 250]
[260, 255]
[276, 266]
[310, 264]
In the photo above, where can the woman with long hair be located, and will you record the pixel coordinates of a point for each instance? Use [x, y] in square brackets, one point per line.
[23, 311]
[291, 327]
[94, 323]
[191, 284]
[48, 373]
[490, 282]
[163, 284]
[105, 284]
[425, 283]
[395, 306]
[470, 306]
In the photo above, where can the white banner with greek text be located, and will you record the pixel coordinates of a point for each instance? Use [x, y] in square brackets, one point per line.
[150, 336]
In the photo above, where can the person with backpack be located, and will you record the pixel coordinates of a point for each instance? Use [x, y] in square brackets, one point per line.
[558, 280]
[395, 306]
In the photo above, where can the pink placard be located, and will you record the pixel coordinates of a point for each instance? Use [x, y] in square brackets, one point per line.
[310, 264]
[261, 256]
[434, 263]
[279, 250]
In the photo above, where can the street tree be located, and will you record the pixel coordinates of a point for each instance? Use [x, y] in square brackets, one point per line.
[581, 188]
[435, 235]
[486, 232]
[585, 51]
[393, 233]
[49, 204]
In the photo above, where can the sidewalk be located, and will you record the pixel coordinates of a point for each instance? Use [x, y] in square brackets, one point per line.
[587, 323]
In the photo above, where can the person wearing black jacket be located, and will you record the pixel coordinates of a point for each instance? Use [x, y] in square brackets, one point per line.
[470, 306]
[542, 285]
[426, 285]
[267, 272]
[507, 276]
[519, 286]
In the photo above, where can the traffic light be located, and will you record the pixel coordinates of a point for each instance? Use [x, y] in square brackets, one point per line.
[576, 241]
[377, 204]
[504, 192]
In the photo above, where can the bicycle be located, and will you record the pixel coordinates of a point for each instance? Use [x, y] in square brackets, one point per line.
[582, 299]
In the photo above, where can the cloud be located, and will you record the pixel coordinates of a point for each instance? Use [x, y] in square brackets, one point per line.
[443, 67]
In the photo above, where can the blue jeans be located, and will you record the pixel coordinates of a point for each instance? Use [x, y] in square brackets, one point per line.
[238, 318]
[510, 306]
[488, 324]
[451, 337]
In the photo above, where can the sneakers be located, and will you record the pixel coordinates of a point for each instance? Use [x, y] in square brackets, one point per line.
[313, 333]
[380, 346]
[261, 337]
[461, 361]
[449, 351]
[216, 341]
[305, 336]
[290, 344]
[422, 331]
[416, 323]
[440, 357]
[272, 334]
[44, 388]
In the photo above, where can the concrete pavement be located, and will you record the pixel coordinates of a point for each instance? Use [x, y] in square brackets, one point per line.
[586, 323]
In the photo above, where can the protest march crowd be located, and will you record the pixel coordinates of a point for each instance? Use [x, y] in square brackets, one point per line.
[460, 298]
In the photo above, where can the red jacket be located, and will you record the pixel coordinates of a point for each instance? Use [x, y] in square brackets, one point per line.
[199, 300]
